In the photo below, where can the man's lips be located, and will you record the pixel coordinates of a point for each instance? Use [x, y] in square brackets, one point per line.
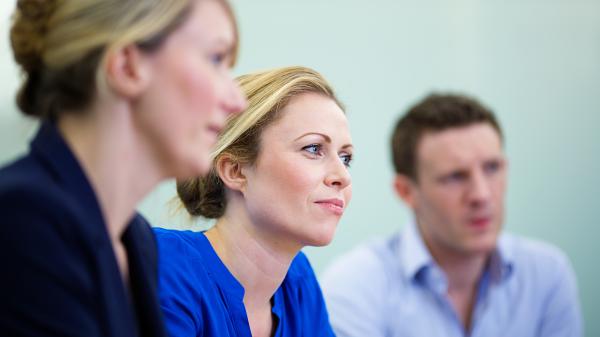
[480, 221]
[334, 205]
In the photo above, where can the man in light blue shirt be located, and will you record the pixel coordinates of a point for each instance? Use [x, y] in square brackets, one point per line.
[451, 272]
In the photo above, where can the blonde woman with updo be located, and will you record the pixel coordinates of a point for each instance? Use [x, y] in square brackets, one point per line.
[128, 93]
[280, 182]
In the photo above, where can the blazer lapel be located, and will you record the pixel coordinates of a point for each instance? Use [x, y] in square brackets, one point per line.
[114, 302]
[143, 271]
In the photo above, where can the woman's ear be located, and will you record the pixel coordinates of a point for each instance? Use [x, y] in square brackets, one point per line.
[230, 172]
[128, 71]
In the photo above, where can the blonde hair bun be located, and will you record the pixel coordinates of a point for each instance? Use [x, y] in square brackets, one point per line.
[28, 32]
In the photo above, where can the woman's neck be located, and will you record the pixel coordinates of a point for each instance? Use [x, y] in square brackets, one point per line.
[119, 168]
[253, 257]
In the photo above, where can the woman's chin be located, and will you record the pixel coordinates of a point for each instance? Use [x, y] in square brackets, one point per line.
[198, 168]
[323, 238]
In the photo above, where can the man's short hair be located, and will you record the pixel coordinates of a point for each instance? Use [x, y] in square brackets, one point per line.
[437, 112]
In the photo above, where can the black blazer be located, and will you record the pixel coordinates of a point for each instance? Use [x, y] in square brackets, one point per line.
[59, 275]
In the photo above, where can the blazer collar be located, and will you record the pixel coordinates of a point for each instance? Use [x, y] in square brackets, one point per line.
[51, 149]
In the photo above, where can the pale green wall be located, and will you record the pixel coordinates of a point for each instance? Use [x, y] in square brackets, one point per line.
[537, 63]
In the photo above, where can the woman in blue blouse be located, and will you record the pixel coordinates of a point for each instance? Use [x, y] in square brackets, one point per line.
[128, 93]
[279, 182]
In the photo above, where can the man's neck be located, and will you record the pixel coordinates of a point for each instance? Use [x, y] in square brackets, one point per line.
[463, 273]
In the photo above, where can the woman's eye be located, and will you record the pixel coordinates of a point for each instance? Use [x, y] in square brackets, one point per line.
[217, 59]
[313, 149]
[346, 159]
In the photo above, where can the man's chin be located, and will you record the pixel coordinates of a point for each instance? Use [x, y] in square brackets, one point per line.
[483, 246]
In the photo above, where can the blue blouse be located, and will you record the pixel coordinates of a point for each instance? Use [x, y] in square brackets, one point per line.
[200, 297]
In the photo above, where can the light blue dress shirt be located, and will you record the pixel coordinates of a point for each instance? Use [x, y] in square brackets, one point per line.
[393, 287]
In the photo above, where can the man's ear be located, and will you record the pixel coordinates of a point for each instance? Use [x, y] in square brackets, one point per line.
[231, 173]
[128, 71]
[405, 188]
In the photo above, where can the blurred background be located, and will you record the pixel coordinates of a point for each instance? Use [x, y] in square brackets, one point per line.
[535, 63]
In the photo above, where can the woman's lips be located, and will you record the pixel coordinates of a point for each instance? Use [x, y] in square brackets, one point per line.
[214, 131]
[336, 206]
[215, 128]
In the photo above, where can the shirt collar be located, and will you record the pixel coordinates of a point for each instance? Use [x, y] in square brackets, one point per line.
[502, 260]
[415, 256]
[218, 271]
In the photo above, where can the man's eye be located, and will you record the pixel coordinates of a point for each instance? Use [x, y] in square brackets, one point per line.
[455, 177]
[491, 167]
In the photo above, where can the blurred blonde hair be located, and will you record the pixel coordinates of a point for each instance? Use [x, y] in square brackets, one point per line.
[60, 44]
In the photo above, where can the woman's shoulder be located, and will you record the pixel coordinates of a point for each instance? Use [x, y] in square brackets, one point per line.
[32, 202]
[182, 257]
[301, 276]
[176, 244]
[24, 180]
[301, 267]
[189, 295]
[173, 235]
